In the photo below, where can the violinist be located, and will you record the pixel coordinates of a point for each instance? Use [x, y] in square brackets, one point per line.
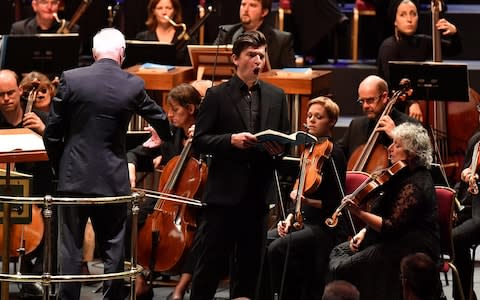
[44, 20]
[162, 14]
[373, 97]
[240, 174]
[403, 220]
[310, 246]
[466, 232]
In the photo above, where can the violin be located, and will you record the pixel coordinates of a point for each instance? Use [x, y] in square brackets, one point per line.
[310, 175]
[373, 156]
[366, 189]
[168, 232]
[472, 183]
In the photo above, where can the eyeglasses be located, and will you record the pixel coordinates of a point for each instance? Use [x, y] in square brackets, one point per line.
[46, 2]
[8, 93]
[370, 100]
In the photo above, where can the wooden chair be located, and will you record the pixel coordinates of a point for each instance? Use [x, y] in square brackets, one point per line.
[360, 9]
[446, 203]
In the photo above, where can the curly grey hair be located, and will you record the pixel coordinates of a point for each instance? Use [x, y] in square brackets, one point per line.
[416, 143]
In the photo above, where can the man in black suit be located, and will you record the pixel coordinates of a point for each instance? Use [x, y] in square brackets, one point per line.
[85, 141]
[44, 20]
[252, 17]
[240, 175]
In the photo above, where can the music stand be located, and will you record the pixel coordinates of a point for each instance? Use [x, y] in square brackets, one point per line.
[432, 81]
[50, 54]
[139, 52]
[215, 60]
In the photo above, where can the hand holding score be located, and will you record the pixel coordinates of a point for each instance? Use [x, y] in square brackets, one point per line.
[243, 140]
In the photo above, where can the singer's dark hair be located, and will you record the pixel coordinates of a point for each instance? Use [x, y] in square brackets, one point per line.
[152, 19]
[247, 39]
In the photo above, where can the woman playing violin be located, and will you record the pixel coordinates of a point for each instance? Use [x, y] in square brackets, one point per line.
[402, 221]
[310, 246]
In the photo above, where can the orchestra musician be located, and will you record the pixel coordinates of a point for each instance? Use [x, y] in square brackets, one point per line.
[465, 234]
[162, 14]
[403, 220]
[252, 17]
[240, 174]
[310, 246]
[86, 133]
[407, 44]
[183, 101]
[44, 21]
[373, 97]
[13, 115]
[46, 89]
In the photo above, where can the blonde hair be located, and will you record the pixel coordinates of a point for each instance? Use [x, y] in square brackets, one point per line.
[331, 108]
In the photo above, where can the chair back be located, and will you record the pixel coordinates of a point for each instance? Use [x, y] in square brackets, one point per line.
[353, 180]
[446, 201]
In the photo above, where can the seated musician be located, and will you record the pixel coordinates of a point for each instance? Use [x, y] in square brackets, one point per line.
[310, 246]
[12, 115]
[183, 102]
[252, 17]
[373, 97]
[403, 220]
[162, 30]
[44, 20]
[407, 44]
[466, 233]
[45, 89]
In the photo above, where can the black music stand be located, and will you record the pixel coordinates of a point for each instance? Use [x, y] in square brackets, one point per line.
[432, 81]
[139, 52]
[50, 54]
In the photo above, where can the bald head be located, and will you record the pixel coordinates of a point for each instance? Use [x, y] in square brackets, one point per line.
[374, 82]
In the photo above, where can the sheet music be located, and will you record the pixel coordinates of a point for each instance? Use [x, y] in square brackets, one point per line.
[20, 139]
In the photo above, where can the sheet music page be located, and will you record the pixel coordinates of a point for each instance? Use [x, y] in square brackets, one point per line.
[20, 139]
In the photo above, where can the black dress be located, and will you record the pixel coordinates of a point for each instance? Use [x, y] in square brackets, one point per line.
[410, 224]
[310, 247]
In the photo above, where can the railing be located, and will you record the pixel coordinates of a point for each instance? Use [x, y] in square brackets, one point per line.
[46, 278]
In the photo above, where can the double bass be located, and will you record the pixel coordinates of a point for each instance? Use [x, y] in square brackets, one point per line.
[168, 232]
[450, 122]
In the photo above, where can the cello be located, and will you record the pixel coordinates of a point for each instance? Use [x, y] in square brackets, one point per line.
[29, 235]
[373, 156]
[168, 232]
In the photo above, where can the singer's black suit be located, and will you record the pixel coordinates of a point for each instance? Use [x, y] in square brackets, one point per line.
[238, 186]
[279, 43]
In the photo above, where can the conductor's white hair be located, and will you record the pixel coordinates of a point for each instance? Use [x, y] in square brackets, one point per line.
[108, 40]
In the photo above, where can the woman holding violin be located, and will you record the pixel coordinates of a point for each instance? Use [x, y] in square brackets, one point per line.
[308, 248]
[467, 232]
[403, 220]
[164, 24]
